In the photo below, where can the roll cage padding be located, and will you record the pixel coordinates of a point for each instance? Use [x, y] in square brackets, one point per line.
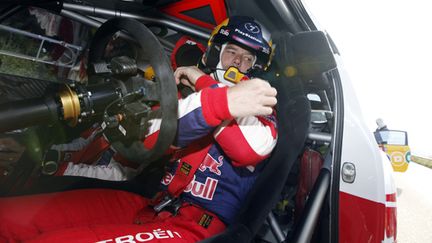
[312, 54]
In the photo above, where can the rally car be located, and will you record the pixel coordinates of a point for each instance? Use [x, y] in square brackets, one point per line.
[326, 180]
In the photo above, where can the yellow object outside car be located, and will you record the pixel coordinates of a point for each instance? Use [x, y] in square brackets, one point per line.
[399, 156]
[395, 144]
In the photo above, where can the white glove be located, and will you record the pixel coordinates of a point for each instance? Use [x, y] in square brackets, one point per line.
[253, 97]
[188, 76]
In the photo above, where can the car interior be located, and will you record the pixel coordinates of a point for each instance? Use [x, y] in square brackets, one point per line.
[302, 71]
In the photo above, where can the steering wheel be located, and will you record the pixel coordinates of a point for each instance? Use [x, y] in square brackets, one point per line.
[142, 95]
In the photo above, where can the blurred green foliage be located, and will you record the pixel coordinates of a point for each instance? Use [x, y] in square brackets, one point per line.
[423, 161]
[17, 66]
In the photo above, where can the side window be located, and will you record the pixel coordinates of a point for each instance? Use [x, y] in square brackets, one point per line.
[314, 97]
[321, 113]
[317, 115]
[38, 44]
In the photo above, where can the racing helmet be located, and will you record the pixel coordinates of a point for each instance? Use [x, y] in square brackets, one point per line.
[245, 32]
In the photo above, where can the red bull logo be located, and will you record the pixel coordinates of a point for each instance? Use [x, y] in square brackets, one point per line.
[197, 189]
[211, 164]
[202, 190]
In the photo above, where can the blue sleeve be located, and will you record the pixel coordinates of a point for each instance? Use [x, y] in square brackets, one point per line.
[191, 123]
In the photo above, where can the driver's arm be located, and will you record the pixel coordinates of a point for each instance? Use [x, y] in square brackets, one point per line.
[247, 140]
[200, 113]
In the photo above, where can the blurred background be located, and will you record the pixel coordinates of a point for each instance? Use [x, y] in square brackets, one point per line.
[386, 46]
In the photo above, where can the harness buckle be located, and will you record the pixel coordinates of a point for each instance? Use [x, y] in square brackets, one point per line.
[168, 204]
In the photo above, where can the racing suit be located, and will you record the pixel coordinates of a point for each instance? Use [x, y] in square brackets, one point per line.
[229, 165]
[90, 155]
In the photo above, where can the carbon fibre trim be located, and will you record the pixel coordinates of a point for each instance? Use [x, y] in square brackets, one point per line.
[14, 87]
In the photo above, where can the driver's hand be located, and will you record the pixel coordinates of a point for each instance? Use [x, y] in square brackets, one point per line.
[188, 76]
[254, 97]
[10, 151]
